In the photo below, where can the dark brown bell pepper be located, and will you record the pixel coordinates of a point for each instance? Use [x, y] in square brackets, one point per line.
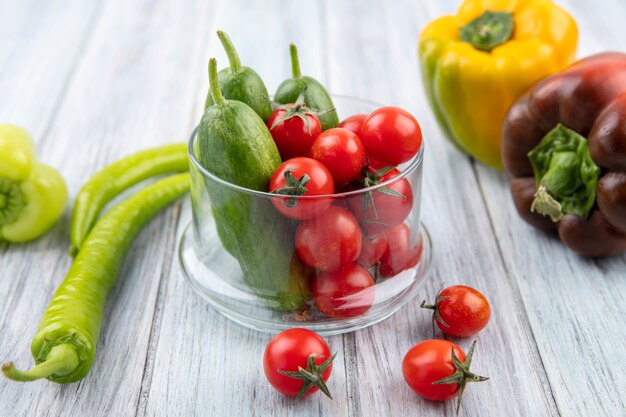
[564, 142]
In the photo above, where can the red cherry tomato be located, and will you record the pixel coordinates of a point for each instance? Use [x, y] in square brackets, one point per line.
[354, 123]
[342, 152]
[391, 135]
[329, 241]
[460, 311]
[291, 135]
[372, 249]
[383, 207]
[290, 350]
[428, 362]
[400, 254]
[320, 183]
[348, 292]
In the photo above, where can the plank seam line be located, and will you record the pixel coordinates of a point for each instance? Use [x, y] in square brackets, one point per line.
[349, 340]
[350, 370]
[157, 316]
[93, 20]
[521, 306]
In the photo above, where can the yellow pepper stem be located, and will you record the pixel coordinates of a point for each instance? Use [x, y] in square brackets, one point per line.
[489, 30]
[61, 360]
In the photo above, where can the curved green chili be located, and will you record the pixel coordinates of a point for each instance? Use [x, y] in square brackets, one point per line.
[117, 177]
[65, 344]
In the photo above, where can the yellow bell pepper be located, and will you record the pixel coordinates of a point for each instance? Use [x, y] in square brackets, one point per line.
[32, 195]
[476, 63]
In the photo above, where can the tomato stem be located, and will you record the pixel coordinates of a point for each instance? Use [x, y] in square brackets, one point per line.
[297, 109]
[462, 376]
[231, 52]
[435, 307]
[293, 187]
[311, 376]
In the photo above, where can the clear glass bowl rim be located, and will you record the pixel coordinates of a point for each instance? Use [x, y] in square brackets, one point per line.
[414, 163]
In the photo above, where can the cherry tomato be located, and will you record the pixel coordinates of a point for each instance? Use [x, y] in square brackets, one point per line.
[374, 165]
[290, 350]
[342, 152]
[391, 135]
[383, 207]
[289, 179]
[372, 249]
[439, 370]
[348, 292]
[400, 254]
[460, 311]
[329, 241]
[428, 362]
[354, 123]
[291, 135]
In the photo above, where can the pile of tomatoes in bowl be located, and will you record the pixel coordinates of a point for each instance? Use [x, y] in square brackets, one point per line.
[351, 188]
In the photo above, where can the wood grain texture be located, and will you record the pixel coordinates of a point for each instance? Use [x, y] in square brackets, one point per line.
[98, 80]
[516, 387]
[125, 95]
[205, 364]
[575, 305]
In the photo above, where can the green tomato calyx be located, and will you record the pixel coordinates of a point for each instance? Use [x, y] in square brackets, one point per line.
[312, 375]
[293, 187]
[298, 109]
[462, 376]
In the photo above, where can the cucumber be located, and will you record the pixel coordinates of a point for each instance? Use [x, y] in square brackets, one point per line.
[316, 98]
[241, 83]
[234, 144]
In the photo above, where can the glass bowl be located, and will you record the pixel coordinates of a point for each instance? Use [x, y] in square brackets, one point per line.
[239, 252]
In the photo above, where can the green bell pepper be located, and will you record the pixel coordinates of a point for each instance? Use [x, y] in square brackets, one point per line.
[32, 195]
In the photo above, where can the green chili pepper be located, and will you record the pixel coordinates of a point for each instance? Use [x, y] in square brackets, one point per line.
[65, 344]
[117, 177]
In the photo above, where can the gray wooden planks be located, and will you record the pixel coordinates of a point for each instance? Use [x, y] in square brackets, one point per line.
[574, 305]
[462, 238]
[126, 95]
[214, 367]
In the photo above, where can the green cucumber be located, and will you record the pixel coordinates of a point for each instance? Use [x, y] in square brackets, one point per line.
[234, 144]
[241, 83]
[316, 98]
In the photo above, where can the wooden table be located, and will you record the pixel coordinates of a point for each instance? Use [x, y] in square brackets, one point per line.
[96, 80]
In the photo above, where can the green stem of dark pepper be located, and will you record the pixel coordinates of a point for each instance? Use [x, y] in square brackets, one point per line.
[65, 344]
[231, 52]
[560, 179]
[295, 62]
[565, 174]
